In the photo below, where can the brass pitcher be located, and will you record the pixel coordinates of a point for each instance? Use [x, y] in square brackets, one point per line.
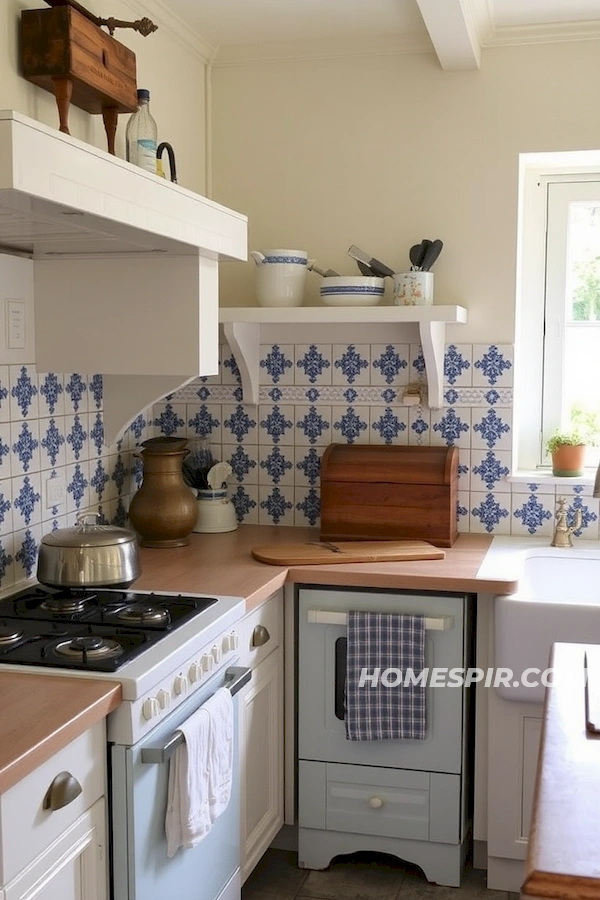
[164, 510]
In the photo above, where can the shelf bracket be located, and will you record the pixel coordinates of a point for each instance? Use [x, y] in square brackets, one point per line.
[433, 337]
[244, 341]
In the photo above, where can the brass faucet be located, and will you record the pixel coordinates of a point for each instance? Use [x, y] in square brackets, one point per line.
[563, 531]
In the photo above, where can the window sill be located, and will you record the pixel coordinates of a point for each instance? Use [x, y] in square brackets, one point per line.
[545, 477]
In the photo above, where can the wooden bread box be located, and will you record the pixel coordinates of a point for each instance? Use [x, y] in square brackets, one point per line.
[372, 492]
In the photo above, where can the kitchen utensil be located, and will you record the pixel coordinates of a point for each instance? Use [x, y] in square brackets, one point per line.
[326, 273]
[280, 276]
[216, 514]
[316, 553]
[414, 254]
[88, 555]
[218, 475]
[351, 290]
[377, 267]
[431, 254]
[364, 268]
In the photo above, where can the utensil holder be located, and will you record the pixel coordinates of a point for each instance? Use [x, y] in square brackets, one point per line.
[413, 289]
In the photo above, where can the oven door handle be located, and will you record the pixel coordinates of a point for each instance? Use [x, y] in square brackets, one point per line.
[235, 679]
[332, 617]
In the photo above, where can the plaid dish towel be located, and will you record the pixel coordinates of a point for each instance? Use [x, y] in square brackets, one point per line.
[376, 711]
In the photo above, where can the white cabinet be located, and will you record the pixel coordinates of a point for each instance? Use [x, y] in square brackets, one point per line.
[53, 826]
[261, 732]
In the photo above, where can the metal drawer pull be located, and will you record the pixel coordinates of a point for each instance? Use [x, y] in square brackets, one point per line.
[376, 802]
[62, 791]
[325, 617]
[235, 678]
[260, 636]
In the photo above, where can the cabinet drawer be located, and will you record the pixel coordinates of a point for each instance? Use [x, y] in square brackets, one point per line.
[261, 631]
[26, 827]
[389, 802]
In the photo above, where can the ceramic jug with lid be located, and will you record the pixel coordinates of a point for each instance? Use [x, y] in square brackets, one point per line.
[280, 276]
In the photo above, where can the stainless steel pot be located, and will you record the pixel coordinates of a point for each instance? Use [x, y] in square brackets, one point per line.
[89, 555]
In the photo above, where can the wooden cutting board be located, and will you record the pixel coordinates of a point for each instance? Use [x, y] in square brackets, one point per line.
[319, 553]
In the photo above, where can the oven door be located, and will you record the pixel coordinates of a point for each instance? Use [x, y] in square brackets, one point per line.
[140, 866]
[322, 669]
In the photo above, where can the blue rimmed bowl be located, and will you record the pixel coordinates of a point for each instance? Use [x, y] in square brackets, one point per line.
[352, 290]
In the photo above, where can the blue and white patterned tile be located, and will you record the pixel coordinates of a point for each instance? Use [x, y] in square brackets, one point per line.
[533, 514]
[313, 364]
[275, 505]
[351, 364]
[100, 479]
[589, 507]
[26, 545]
[276, 465]
[4, 394]
[457, 365]
[76, 438]
[78, 486]
[243, 459]
[276, 364]
[464, 468]
[312, 426]
[170, 419]
[96, 391]
[25, 446]
[493, 365]
[95, 427]
[388, 425]
[451, 427]
[111, 492]
[245, 499]
[239, 423]
[462, 512]
[7, 569]
[491, 429]
[229, 373]
[5, 451]
[489, 513]
[307, 469]
[419, 426]
[51, 394]
[307, 506]
[489, 470]
[23, 393]
[522, 487]
[50, 512]
[26, 501]
[389, 364]
[6, 516]
[350, 424]
[76, 393]
[140, 428]
[276, 424]
[204, 420]
[52, 442]
[416, 364]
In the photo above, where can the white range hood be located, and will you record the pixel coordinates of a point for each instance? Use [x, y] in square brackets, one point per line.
[125, 265]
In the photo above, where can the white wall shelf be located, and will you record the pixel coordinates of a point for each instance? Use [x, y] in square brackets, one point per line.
[242, 326]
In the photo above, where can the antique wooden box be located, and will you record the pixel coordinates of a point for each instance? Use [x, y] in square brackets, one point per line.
[372, 492]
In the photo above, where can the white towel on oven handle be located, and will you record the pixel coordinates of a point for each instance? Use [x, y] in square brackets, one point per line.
[188, 817]
[220, 751]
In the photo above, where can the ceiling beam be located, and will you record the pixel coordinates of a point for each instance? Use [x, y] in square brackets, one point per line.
[454, 28]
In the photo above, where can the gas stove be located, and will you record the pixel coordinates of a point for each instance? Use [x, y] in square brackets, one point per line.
[161, 647]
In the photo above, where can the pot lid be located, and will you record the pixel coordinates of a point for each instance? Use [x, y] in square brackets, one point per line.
[88, 534]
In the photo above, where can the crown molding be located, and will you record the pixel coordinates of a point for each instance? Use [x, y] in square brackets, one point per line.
[544, 34]
[330, 48]
[162, 15]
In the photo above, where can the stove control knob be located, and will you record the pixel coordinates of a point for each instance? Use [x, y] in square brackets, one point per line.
[150, 708]
[234, 641]
[216, 653]
[195, 672]
[226, 644]
[164, 699]
[207, 663]
[181, 685]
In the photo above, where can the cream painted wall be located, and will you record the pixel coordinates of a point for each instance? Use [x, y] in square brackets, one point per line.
[167, 64]
[384, 151]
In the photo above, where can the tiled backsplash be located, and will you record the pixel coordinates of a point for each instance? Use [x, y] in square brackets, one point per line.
[311, 395]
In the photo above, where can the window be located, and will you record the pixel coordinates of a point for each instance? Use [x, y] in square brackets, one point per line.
[557, 351]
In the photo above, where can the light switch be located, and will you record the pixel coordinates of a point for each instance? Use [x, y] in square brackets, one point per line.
[15, 324]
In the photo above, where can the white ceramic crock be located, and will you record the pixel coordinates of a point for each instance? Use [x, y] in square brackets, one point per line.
[280, 276]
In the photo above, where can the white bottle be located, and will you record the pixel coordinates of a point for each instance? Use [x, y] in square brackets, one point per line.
[141, 135]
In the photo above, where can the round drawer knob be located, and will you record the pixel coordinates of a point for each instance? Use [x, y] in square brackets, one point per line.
[375, 802]
[260, 636]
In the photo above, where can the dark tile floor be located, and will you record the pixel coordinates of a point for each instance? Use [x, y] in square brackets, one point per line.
[362, 876]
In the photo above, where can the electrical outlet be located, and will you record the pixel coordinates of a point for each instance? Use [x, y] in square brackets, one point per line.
[56, 491]
[15, 324]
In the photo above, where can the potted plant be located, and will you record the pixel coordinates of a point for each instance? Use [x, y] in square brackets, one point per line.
[567, 449]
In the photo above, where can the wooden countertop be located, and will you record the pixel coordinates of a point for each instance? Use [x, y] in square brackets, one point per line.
[564, 852]
[41, 715]
[221, 563]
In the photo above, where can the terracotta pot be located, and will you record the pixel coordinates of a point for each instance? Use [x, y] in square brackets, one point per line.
[568, 460]
[164, 510]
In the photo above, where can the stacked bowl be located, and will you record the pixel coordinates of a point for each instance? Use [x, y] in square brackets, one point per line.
[351, 290]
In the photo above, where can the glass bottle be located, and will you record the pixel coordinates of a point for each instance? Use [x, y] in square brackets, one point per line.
[141, 135]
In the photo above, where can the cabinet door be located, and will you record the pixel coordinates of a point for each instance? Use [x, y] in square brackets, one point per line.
[261, 746]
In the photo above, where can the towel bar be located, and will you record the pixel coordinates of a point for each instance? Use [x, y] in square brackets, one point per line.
[329, 617]
[235, 678]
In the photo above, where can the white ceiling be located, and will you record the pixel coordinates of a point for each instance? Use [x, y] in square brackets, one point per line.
[457, 29]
